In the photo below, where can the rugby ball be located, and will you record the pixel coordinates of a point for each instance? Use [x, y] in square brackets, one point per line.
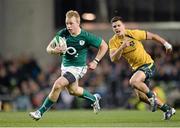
[61, 42]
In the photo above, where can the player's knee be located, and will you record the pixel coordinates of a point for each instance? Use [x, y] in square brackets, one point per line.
[73, 92]
[58, 84]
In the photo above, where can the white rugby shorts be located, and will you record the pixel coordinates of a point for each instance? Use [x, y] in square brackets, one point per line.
[78, 72]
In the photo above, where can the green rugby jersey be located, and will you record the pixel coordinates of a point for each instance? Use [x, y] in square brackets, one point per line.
[77, 47]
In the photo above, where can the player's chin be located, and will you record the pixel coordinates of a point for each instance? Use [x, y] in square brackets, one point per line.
[71, 31]
[118, 34]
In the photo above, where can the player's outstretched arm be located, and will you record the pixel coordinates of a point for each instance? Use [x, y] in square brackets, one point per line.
[152, 36]
[101, 52]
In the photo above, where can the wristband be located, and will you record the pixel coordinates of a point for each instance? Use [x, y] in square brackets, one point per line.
[167, 45]
[96, 60]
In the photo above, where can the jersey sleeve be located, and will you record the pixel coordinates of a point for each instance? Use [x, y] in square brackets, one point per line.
[138, 34]
[93, 40]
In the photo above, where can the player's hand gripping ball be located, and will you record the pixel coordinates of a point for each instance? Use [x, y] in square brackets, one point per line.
[61, 42]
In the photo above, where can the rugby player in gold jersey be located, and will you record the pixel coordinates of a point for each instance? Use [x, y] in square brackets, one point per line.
[127, 43]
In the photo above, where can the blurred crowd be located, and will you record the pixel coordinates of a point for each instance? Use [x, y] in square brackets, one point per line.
[24, 84]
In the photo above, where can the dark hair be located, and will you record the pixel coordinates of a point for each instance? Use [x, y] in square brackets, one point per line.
[116, 18]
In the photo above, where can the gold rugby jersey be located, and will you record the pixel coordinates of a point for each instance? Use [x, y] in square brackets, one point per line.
[135, 54]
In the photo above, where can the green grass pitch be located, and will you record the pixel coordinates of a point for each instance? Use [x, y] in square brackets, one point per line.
[86, 118]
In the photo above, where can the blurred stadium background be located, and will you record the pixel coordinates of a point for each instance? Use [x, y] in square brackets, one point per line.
[27, 72]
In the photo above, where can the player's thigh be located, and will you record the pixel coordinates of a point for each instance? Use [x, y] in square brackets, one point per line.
[148, 70]
[61, 82]
[138, 76]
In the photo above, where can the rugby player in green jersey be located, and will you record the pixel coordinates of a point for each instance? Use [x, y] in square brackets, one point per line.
[73, 66]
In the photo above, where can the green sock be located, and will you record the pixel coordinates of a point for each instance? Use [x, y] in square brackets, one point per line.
[46, 105]
[165, 107]
[149, 94]
[87, 95]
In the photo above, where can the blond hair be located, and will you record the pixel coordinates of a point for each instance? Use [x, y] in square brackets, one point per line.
[72, 13]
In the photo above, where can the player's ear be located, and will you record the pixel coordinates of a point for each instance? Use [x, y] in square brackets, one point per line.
[78, 21]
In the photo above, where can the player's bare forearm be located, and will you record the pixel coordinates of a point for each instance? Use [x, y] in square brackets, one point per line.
[102, 50]
[115, 55]
[155, 37]
[159, 39]
[51, 49]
